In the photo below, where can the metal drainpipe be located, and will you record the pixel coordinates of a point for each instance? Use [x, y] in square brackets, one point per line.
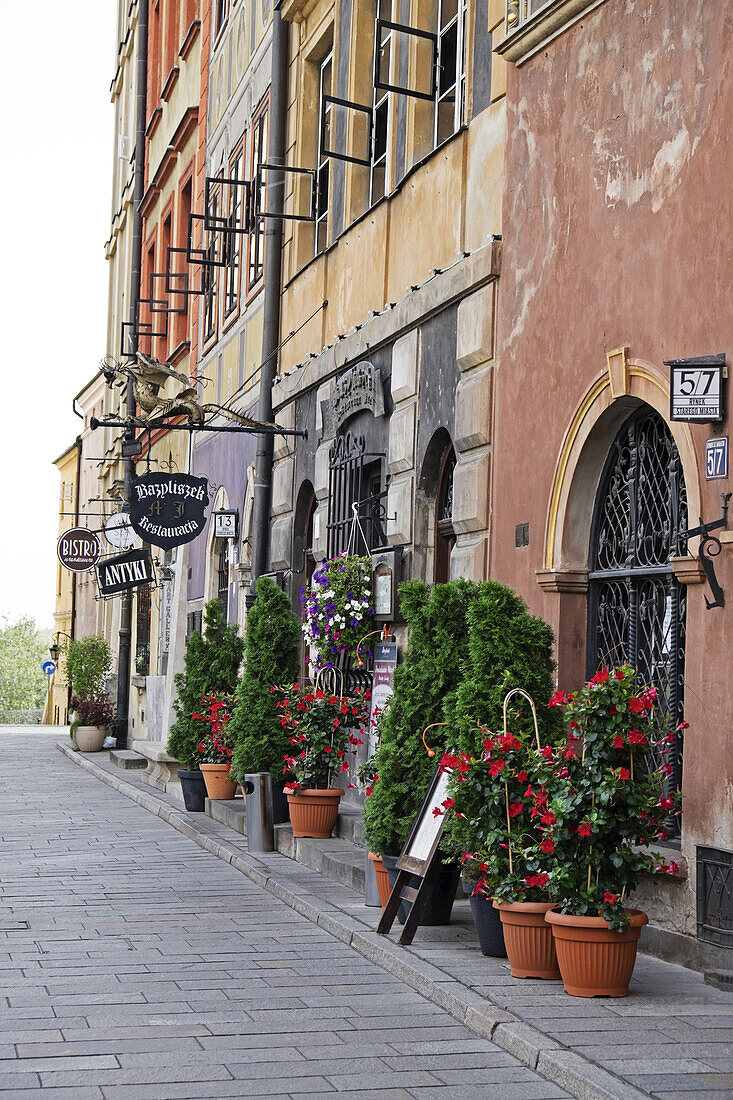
[125, 634]
[271, 320]
[72, 625]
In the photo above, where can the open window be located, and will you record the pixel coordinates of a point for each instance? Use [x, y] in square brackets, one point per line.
[421, 45]
[345, 125]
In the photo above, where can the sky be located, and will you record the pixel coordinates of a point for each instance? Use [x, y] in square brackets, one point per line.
[55, 205]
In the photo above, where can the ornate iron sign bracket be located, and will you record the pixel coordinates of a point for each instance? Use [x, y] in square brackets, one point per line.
[710, 547]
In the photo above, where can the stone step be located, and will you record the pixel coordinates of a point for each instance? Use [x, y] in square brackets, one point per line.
[127, 759]
[340, 858]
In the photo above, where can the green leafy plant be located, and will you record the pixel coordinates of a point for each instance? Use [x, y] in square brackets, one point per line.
[272, 646]
[217, 739]
[88, 664]
[211, 664]
[498, 815]
[607, 803]
[428, 676]
[507, 648]
[337, 607]
[23, 650]
[321, 735]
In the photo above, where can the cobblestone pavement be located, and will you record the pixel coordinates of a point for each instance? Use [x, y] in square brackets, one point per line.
[136, 965]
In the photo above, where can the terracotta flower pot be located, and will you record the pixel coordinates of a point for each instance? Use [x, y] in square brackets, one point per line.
[89, 738]
[595, 962]
[531, 952]
[383, 887]
[219, 785]
[313, 813]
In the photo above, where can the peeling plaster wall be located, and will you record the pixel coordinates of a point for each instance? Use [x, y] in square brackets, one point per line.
[617, 222]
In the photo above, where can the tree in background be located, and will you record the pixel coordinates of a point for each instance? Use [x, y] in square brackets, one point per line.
[271, 659]
[211, 664]
[23, 649]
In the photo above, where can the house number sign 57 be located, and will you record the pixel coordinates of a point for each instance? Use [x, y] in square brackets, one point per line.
[696, 388]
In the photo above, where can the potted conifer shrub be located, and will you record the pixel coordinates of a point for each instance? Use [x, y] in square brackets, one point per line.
[607, 805]
[321, 733]
[88, 663]
[428, 675]
[271, 646]
[211, 664]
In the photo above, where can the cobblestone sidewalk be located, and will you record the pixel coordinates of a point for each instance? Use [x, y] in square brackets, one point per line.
[136, 964]
[670, 1038]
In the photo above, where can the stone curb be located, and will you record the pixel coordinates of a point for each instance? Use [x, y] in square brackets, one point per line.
[578, 1075]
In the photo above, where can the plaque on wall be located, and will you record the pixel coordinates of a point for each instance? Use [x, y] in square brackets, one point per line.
[696, 388]
[358, 388]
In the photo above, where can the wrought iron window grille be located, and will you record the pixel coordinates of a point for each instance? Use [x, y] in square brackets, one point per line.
[348, 507]
[636, 606]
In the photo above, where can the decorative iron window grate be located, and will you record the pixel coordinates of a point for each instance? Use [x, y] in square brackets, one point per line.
[636, 606]
[715, 896]
[223, 581]
[349, 483]
[142, 643]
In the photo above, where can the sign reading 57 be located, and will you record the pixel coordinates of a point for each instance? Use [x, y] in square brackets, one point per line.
[696, 388]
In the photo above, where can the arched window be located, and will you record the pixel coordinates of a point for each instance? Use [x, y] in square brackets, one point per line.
[636, 606]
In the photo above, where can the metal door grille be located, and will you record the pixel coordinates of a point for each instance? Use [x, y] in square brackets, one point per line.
[636, 605]
[715, 896]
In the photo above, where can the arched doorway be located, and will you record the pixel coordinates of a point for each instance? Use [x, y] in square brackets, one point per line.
[636, 606]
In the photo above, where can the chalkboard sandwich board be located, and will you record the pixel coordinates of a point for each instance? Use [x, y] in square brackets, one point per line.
[419, 857]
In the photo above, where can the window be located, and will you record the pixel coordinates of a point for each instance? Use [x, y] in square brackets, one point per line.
[220, 15]
[231, 271]
[323, 163]
[142, 643]
[451, 83]
[210, 277]
[378, 181]
[180, 320]
[222, 586]
[255, 265]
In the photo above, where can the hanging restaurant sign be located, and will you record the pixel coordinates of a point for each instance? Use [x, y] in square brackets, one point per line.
[78, 549]
[167, 510]
[356, 389]
[696, 388]
[124, 571]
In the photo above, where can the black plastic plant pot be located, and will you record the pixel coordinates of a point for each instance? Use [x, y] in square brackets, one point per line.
[280, 812]
[488, 926]
[194, 790]
[440, 903]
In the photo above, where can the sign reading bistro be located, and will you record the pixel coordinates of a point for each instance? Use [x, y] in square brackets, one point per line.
[78, 549]
[167, 510]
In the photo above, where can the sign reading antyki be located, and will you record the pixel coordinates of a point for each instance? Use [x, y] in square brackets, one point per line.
[359, 388]
[168, 509]
[125, 571]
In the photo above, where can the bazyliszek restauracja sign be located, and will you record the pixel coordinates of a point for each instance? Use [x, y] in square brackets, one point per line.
[167, 510]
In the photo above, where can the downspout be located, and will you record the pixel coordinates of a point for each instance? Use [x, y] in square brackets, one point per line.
[271, 319]
[72, 625]
[125, 635]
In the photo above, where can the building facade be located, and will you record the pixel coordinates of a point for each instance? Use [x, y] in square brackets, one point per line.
[616, 256]
[391, 262]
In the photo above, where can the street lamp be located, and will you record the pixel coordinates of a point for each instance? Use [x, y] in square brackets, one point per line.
[54, 649]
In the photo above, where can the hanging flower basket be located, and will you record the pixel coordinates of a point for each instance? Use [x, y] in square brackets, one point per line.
[337, 607]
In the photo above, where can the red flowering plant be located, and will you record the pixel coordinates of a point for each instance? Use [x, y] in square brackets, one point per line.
[216, 743]
[608, 794]
[323, 735]
[498, 817]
